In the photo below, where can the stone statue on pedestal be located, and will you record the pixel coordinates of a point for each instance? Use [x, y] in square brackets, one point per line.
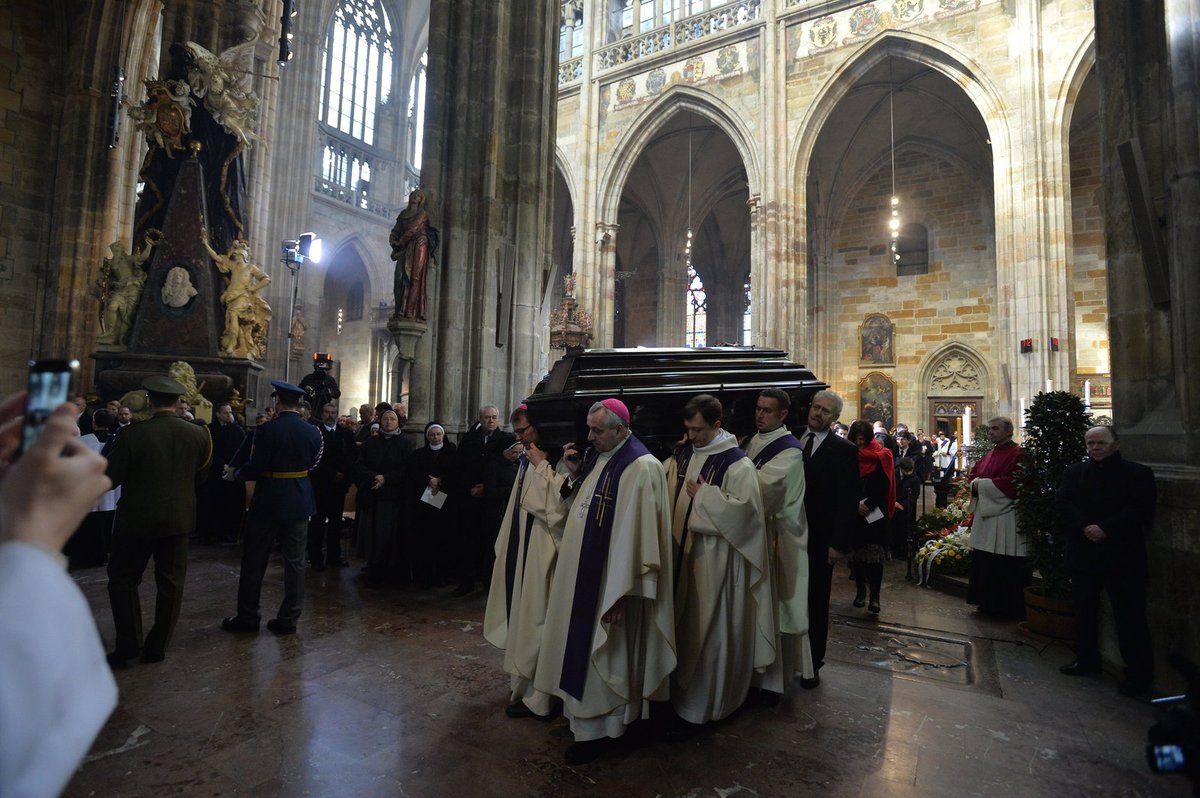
[414, 243]
[183, 373]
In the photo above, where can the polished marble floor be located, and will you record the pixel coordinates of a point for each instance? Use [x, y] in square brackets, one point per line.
[394, 692]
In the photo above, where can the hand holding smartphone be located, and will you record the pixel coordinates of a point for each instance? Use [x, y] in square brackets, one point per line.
[49, 386]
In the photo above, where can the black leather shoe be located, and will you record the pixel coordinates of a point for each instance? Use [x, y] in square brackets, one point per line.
[236, 625]
[518, 709]
[281, 627]
[151, 657]
[118, 661]
[1079, 668]
[584, 752]
[810, 684]
[873, 607]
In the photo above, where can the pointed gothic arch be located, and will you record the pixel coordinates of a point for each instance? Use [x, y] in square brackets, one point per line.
[658, 115]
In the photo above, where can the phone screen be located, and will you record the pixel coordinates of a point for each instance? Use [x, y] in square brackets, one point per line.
[49, 386]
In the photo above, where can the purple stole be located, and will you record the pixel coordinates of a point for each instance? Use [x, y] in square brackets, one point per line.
[713, 472]
[773, 448]
[514, 539]
[593, 556]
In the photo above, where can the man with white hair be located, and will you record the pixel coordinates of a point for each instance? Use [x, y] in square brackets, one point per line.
[608, 646]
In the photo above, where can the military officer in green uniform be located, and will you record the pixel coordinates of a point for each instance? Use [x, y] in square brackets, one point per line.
[158, 464]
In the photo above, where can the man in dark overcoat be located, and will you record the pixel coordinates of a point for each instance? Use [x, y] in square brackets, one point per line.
[158, 464]
[330, 483]
[285, 449]
[831, 504]
[1105, 507]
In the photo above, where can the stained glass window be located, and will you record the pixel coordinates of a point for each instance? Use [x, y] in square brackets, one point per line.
[697, 310]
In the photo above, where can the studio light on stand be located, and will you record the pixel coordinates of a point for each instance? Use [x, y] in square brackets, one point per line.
[297, 252]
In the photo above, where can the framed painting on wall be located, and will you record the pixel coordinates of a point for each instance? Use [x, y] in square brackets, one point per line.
[877, 399]
[876, 342]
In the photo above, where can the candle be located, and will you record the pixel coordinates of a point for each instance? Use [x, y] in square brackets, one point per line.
[1049, 386]
[1021, 419]
[967, 426]
[1087, 393]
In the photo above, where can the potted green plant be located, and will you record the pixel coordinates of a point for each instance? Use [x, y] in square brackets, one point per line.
[1054, 425]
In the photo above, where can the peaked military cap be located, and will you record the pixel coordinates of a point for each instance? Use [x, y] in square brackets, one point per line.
[163, 385]
[287, 389]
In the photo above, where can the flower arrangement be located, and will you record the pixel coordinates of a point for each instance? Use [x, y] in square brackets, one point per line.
[950, 554]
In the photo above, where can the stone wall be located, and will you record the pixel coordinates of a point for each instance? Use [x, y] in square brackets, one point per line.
[27, 117]
[953, 303]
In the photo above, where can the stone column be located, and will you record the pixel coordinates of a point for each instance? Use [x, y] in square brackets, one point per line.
[599, 289]
[489, 171]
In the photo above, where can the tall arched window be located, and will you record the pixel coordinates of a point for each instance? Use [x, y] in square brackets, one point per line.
[356, 77]
[570, 31]
[912, 250]
[697, 310]
[746, 313]
[416, 124]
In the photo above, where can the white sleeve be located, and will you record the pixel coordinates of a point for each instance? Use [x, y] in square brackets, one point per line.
[56, 690]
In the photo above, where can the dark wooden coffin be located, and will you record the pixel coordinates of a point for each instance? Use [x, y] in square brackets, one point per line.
[656, 383]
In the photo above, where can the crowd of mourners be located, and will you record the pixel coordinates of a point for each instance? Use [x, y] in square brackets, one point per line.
[615, 582]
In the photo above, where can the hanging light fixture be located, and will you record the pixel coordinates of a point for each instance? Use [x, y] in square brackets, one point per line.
[894, 221]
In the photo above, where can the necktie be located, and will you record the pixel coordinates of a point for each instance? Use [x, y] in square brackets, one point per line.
[808, 439]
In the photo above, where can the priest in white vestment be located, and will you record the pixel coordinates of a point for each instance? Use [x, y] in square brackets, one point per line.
[526, 552]
[608, 645]
[779, 459]
[725, 619]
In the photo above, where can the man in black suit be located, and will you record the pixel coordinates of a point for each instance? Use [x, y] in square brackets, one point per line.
[831, 504]
[1105, 507]
[329, 487]
[285, 448]
[490, 478]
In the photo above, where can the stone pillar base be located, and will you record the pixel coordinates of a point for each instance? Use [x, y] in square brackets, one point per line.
[406, 333]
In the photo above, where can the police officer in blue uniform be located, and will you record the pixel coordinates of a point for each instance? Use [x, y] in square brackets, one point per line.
[284, 451]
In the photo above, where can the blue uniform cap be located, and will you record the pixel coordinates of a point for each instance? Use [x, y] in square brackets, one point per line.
[286, 388]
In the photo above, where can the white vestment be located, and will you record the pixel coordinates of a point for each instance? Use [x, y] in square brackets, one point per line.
[56, 690]
[628, 664]
[725, 620]
[519, 630]
[994, 527]
[781, 482]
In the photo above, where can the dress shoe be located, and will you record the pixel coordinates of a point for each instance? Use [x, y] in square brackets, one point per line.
[281, 627]
[860, 598]
[151, 657]
[589, 750]
[1079, 668]
[768, 698]
[810, 684]
[517, 709]
[235, 624]
[873, 607]
[118, 661]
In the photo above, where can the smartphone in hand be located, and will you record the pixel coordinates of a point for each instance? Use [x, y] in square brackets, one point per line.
[49, 386]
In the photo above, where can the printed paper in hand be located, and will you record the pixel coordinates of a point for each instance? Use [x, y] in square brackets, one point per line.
[436, 500]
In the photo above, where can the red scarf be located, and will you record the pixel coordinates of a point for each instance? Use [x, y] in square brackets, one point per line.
[873, 456]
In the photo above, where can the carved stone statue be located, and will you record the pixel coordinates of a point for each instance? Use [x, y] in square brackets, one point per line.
[183, 373]
[119, 287]
[299, 328]
[177, 289]
[247, 314]
[414, 243]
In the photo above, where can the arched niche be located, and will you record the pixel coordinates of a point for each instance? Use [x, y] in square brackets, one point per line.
[953, 378]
